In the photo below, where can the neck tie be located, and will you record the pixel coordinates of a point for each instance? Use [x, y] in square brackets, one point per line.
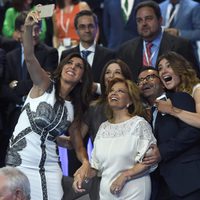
[154, 112]
[147, 56]
[125, 11]
[171, 13]
[85, 54]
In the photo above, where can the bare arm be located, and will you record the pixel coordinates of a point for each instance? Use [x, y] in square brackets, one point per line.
[78, 145]
[39, 77]
[118, 184]
[190, 118]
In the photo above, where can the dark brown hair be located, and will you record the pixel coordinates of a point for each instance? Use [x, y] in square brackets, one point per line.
[183, 69]
[81, 93]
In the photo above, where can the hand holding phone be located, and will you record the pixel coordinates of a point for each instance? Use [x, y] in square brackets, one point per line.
[163, 97]
[46, 10]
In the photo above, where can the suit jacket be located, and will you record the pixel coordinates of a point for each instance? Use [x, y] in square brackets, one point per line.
[2, 66]
[187, 19]
[116, 30]
[131, 52]
[179, 145]
[101, 57]
[8, 44]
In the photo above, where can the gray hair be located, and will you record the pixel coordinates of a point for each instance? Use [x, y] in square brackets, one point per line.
[16, 180]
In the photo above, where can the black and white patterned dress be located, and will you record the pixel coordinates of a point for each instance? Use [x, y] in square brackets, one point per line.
[33, 148]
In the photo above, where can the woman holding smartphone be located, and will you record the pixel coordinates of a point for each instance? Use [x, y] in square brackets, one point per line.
[53, 106]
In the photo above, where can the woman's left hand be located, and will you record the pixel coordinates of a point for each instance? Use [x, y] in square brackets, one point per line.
[118, 184]
[164, 106]
[81, 175]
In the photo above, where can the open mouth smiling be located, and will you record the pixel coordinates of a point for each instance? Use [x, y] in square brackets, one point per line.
[167, 78]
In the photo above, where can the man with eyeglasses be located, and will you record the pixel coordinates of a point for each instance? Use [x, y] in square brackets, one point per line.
[152, 41]
[178, 174]
[86, 24]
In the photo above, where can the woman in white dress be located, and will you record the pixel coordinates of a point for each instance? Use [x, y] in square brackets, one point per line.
[178, 75]
[120, 145]
[52, 107]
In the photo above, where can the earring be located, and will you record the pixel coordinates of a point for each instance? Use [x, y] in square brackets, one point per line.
[127, 105]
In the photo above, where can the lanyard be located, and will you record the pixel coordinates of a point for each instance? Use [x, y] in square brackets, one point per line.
[66, 27]
[169, 19]
[149, 60]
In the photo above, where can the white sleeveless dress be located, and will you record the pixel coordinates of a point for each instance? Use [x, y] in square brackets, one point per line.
[33, 148]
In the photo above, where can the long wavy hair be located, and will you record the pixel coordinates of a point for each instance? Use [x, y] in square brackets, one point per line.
[136, 108]
[183, 69]
[81, 93]
[126, 72]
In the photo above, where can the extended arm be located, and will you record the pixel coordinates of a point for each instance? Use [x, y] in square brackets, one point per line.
[39, 77]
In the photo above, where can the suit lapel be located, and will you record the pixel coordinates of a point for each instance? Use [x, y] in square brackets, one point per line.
[166, 44]
[183, 6]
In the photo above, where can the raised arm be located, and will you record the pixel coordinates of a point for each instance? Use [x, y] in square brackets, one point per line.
[39, 77]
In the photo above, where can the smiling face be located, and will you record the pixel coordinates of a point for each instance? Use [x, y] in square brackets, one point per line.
[118, 96]
[73, 70]
[148, 25]
[167, 75]
[150, 85]
[113, 71]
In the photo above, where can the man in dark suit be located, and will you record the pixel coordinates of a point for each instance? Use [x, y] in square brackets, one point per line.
[177, 176]
[17, 82]
[8, 44]
[3, 138]
[86, 24]
[135, 51]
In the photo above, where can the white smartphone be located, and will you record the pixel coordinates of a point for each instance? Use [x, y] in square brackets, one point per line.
[162, 97]
[46, 10]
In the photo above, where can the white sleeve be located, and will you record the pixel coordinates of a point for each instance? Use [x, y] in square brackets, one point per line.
[146, 138]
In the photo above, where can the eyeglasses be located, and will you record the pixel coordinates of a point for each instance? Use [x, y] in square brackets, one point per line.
[84, 27]
[150, 77]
